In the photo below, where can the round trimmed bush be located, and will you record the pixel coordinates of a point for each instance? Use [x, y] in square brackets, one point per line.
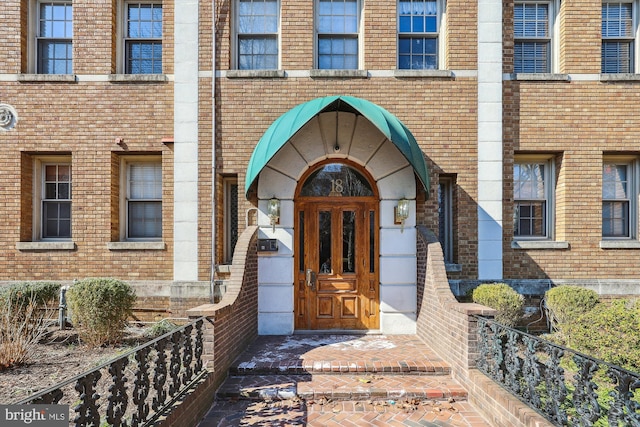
[100, 308]
[609, 332]
[566, 302]
[508, 303]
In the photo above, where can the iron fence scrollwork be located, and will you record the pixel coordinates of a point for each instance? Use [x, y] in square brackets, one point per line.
[164, 369]
[566, 387]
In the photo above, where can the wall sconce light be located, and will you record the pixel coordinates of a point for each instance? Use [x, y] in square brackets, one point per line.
[401, 212]
[273, 210]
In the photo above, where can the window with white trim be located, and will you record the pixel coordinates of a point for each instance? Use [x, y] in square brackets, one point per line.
[618, 37]
[619, 198]
[257, 34]
[143, 199]
[418, 34]
[337, 34]
[533, 198]
[53, 199]
[142, 38]
[54, 34]
[532, 31]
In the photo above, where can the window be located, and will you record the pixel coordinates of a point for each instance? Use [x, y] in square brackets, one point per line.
[532, 37]
[54, 35]
[532, 191]
[418, 28]
[337, 26]
[143, 38]
[445, 217]
[143, 203]
[55, 200]
[230, 217]
[619, 205]
[257, 31]
[617, 37]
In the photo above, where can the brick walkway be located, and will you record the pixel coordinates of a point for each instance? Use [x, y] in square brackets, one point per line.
[341, 380]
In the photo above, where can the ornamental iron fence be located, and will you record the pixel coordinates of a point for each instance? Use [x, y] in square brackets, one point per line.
[568, 388]
[161, 371]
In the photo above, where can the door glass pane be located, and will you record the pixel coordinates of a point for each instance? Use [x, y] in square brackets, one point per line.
[324, 242]
[372, 241]
[348, 242]
[301, 241]
[335, 180]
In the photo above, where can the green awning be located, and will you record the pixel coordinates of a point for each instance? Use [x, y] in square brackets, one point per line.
[283, 128]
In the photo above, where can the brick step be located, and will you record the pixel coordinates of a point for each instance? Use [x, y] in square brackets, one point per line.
[306, 366]
[331, 387]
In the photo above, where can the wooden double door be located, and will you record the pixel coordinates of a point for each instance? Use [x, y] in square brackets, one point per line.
[336, 280]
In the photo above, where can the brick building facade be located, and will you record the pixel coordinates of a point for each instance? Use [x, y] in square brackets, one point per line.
[524, 115]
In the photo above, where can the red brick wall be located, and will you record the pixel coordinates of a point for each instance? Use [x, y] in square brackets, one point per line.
[448, 327]
[232, 324]
[436, 111]
[82, 120]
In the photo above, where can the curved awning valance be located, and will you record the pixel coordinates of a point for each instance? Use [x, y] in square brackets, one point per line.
[283, 128]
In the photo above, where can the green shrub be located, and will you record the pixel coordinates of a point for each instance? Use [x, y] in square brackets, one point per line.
[160, 328]
[610, 332]
[100, 308]
[508, 303]
[566, 303]
[25, 293]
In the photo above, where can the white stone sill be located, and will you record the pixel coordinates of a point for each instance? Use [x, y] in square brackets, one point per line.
[550, 77]
[619, 244]
[137, 78]
[47, 78]
[539, 244]
[620, 77]
[46, 246]
[136, 246]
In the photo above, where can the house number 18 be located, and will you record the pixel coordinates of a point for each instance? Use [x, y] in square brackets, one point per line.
[336, 186]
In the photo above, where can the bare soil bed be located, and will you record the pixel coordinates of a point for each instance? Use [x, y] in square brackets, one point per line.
[60, 356]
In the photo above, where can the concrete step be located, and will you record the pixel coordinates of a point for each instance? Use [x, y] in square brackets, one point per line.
[332, 387]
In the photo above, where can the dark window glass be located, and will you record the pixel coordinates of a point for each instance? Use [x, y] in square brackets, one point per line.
[336, 180]
[324, 250]
[143, 42]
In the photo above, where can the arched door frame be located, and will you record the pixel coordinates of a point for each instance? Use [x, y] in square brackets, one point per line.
[330, 295]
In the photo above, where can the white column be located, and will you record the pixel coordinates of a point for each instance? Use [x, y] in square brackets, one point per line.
[185, 131]
[490, 139]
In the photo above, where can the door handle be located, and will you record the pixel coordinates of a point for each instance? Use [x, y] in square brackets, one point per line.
[311, 277]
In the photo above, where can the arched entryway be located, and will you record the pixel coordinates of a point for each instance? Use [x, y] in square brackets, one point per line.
[307, 157]
[336, 249]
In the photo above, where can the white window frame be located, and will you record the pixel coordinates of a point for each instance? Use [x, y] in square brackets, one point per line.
[33, 56]
[548, 162]
[317, 35]
[438, 35]
[125, 162]
[633, 174]
[39, 165]
[121, 33]
[634, 38]
[237, 35]
[553, 40]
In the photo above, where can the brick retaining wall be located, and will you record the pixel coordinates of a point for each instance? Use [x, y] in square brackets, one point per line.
[449, 328]
[231, 325]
